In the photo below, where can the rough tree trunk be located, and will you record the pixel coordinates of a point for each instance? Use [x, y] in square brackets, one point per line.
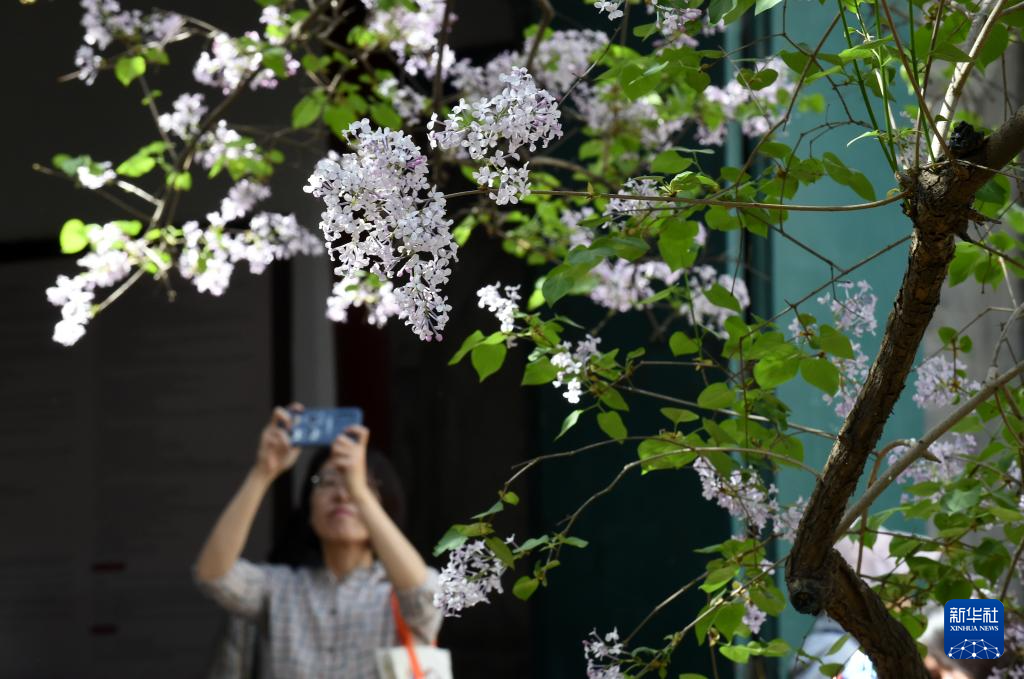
[939, 205]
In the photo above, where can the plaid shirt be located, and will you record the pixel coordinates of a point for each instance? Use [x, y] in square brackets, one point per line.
[317, 626]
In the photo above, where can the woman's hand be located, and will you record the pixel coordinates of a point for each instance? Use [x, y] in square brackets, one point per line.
[348, 456]
[276, 454]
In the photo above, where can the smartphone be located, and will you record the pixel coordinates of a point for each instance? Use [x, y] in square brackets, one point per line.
[320, 426]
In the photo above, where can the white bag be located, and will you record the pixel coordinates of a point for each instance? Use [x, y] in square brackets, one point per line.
[411, 661]
[395, 662]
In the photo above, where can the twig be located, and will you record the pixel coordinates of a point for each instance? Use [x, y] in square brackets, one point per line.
[917, 450]
[705, 201]
[547, 13]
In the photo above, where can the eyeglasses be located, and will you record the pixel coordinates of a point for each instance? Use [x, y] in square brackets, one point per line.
[327, 482]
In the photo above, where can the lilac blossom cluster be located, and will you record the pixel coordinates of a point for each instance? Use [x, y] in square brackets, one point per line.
[746, 498]
[853, 312]
[520, 116]
[208, 255]
[604, 656]
[736, 101]
[95, 175]
[187, 112]
[110, 260]
[939, 383]
[472, 573]
[384, 218]
[606, 112]
[621, 285]
[700, 310]
[504, 307]
[230, 61]
[572, 366]
[949, 454]
[363, 290]
[104, 21]
[411, 34]
[561, 59]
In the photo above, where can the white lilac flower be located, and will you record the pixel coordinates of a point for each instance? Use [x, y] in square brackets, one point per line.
[607, 112]
[75, 301]
[561, 59]
[88, 64]
[494, 130]
[604, 656]
[411, 34]
[853, 314]
[95, 175]
[228, 62]
[472, 573]
[363, 291]
[110, 259]
[852, 374]
[755, 110]
[949, 453]
[503, 307]
[275, 23]
[270, 237]
[743, 494]
[240, 201]
[407, 102]
[624, 207]
[672, 23]
[613, 7]
[787, 520]
[700, 309]
[383, 217]
[222, 143]
[183, 121]
[104, 21]
[754, 617]
[204, 260]
[938, 383]
[571, 366]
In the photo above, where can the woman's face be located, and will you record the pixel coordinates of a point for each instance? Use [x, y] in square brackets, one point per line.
[335, 518]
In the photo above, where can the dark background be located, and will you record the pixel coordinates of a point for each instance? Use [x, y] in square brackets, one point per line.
[121, 451]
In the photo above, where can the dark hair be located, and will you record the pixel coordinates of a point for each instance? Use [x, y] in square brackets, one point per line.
[299, 545]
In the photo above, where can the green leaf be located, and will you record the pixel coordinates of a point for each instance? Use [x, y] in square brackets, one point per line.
[838, 646]
[525, 587]
[72, 237]
[721, 297]
[680, 415]
[509, 498]
[452, 539]
[384, 115]
[834, 342]
[820, 372]
[716, 396]
[778, 366]
[613, 399]
[137, 165]
[501, 550]
[681, 344]
[764, 5]
[127, 69]
[670, 162]
[308, 109]
[729, 618]
[467, 345]
[739, 654]
[487, 358]
[539, 372]
[841, 174]
[830, 669]
[675, 243]
[130, 227]
[611, 423]
[569, 422]
[338, 117]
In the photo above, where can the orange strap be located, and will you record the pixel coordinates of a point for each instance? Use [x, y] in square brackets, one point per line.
[406, 637]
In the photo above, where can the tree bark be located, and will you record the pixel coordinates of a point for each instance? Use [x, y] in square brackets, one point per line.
[939, 205]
